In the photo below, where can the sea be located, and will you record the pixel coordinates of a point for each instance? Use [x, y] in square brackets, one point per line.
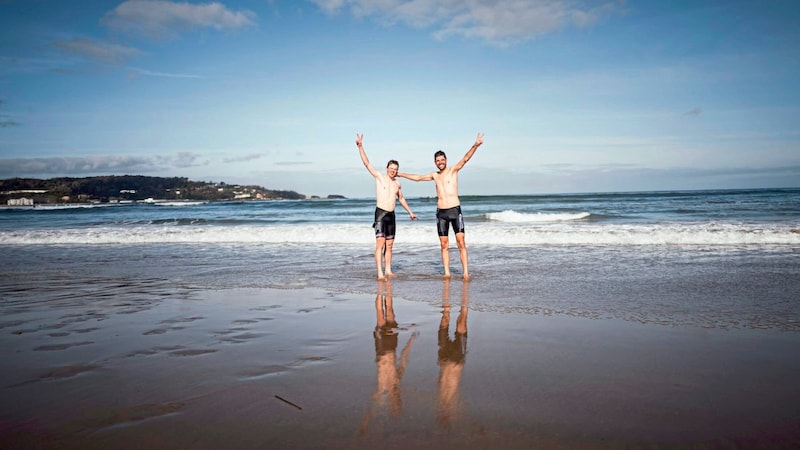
[709, 259]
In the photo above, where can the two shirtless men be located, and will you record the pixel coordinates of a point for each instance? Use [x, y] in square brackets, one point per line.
[448, 206]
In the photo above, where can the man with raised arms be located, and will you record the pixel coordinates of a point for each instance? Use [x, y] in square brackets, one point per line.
[448, 206]
[387, 192]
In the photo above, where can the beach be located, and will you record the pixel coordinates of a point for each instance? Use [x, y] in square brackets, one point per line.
[657, 321]
[157, 366]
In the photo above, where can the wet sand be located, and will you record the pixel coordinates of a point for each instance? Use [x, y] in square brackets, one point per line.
[308, 368]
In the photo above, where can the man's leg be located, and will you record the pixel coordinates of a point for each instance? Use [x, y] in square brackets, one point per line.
[462, 250]
[388, 257]
[445, 243]
[380, 243]
[380, 319]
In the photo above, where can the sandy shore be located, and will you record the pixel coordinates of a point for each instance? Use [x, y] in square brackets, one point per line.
[306, 368]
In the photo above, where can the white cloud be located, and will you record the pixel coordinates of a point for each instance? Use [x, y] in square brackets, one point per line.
[497, 21]
[158, 18]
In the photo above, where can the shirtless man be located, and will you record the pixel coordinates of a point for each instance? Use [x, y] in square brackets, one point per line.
[448, 206]
[387, 192]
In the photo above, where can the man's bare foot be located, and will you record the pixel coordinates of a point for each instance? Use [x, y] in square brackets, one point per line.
[447, 275]
[467, 277]
[381, 277]
[390, 274]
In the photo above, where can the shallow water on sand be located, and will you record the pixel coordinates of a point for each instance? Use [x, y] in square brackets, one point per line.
[720, 287]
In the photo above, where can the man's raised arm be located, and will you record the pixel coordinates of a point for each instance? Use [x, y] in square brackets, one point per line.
[470, 152]
[364, 159]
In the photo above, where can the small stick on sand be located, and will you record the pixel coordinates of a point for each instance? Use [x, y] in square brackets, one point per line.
[287, 401]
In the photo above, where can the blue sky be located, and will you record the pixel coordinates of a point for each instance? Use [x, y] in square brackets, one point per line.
[573, 96]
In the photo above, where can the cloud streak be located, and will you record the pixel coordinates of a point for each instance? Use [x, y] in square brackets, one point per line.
[694, 111]
[4, 120]
[496, 21]
[292, 163]
[92, 165]
[149, 73]
[158, 18]
[94, 50]
[244, 158]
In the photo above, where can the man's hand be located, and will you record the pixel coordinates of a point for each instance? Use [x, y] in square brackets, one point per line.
[359, 139]
[479, 140]
[413, 216]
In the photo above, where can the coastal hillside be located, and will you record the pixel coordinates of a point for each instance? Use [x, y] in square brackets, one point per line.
[110, 188]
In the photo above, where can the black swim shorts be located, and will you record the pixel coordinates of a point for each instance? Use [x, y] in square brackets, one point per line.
[446, 217]
[384, 224]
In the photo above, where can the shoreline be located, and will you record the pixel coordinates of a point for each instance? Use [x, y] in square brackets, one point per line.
[210, 368]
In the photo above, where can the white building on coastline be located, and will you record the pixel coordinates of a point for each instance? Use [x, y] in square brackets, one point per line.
[20, 201]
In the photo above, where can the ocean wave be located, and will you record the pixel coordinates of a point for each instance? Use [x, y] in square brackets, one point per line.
[512, 216]
[487, 233]
[179, 203]
[57, 207]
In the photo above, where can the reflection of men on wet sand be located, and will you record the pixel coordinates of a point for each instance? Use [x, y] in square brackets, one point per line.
[389, 373]
[452, 354]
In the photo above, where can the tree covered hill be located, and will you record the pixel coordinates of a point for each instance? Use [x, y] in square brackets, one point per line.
[131, 187]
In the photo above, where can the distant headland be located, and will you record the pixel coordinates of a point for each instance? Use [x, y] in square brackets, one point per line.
[132, 188]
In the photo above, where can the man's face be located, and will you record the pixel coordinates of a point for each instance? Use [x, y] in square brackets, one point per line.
[391, 171]
[441, 162]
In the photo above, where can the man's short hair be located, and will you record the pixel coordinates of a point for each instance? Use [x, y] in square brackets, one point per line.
[392, 161]
[438, 154]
